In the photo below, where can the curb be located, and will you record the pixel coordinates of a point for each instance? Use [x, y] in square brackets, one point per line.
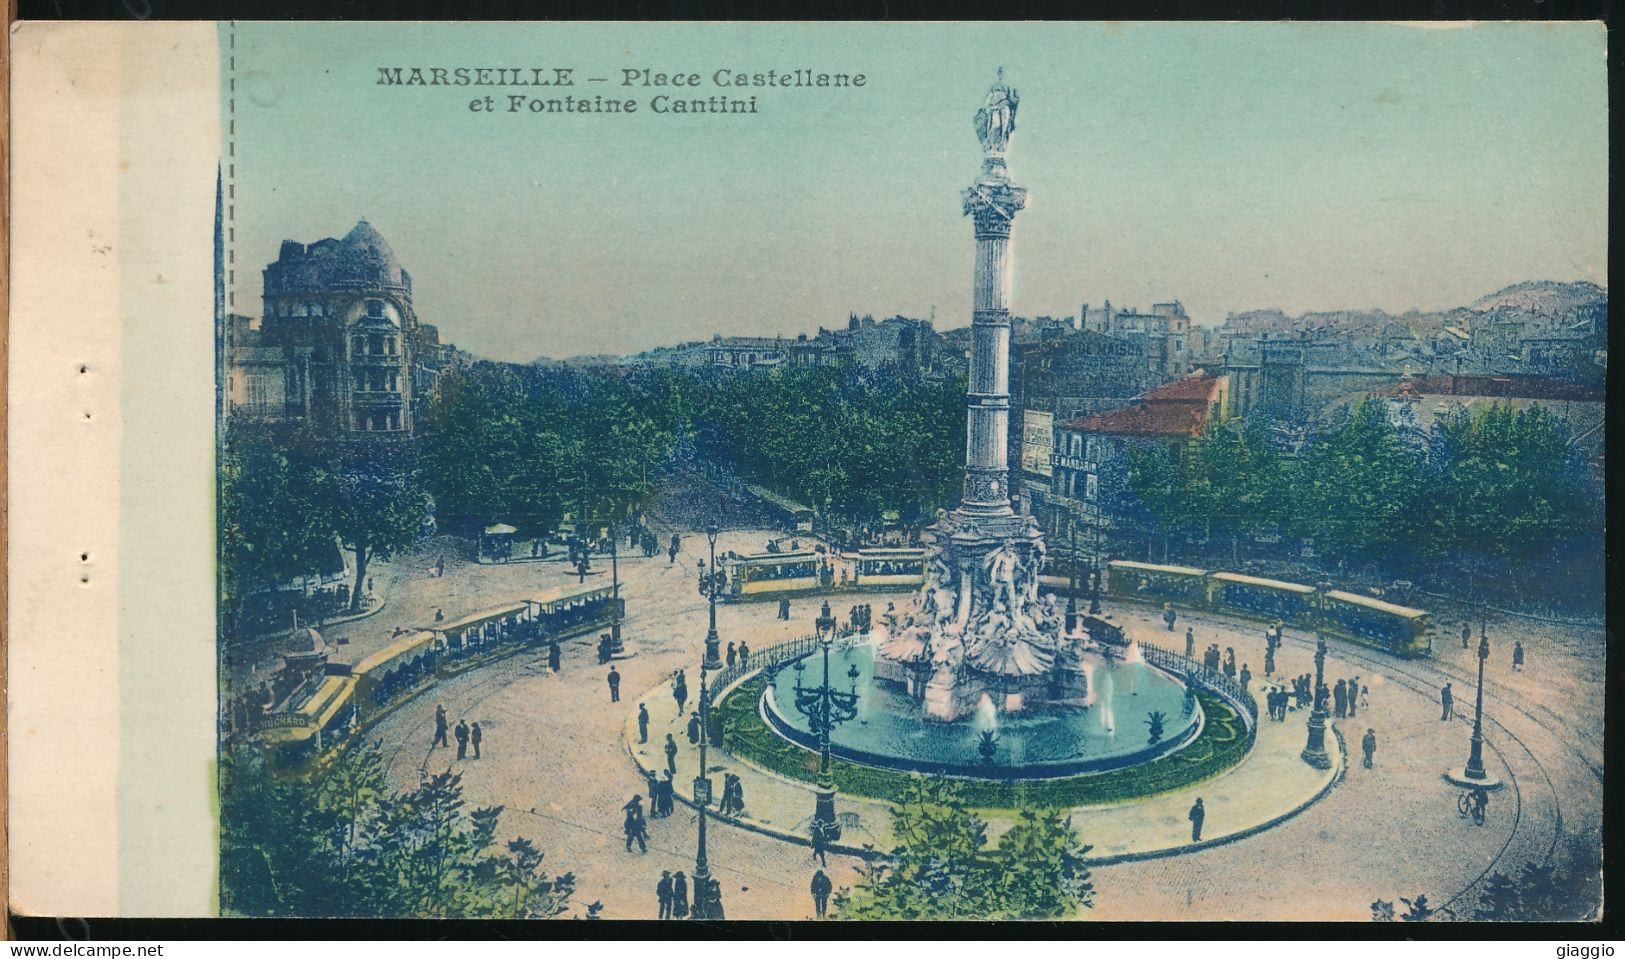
[1240, 834]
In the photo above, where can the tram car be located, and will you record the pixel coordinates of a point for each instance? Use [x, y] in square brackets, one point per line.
[294, 737]
[568, 610]
[1397, 629]
[345, 699]
[1263, 598]
[774, 575]
[887, 569]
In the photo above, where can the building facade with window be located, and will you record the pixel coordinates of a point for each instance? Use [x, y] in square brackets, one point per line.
[333, 349]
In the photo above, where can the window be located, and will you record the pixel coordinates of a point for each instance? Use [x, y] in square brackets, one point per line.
[389, 345]
[1092, 488]
[375, 309]
[358, 345]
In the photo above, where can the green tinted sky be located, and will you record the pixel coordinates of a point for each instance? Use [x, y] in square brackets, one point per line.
[1311, 166]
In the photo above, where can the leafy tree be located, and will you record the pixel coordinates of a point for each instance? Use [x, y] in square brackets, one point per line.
[272, 528]
[1039, 869]
[374, 513]
[942, 870]
[340, 844]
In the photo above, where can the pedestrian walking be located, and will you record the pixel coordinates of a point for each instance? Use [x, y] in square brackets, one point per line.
[1168, 615]
[1369, 746]
[1447, 699]
[1517, 656]
[462, 739]
[820, 844]
[733, 654]
[679, 896]
[1190, 643]
[614, 685]
[1196, 816]
[663, 893]
[679, 690]
[474, 739]
[1353, 693]
[671, 754]
[744, 655]
[643, 723]
[821, 887]
[440, 727]
[635, 828]
[1246, 677]
[553, 656]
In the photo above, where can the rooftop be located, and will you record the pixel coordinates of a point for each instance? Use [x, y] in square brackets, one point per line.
[1180, 408]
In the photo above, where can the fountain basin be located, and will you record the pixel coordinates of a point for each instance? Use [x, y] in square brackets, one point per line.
[891, 731]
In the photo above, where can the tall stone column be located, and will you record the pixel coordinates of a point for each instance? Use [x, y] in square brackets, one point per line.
[992, 203]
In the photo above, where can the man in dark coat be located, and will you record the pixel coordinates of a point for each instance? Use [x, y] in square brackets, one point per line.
[1517, 656]
[744, 655]
[667, 797]
[614, 685]
[733, 654]
[553, 655]
[679, 691]
[1369, 745]
[821, 887]
[440, 727]
[474, 738]
[1340, 699]
[1246, 677]
[1190, 643]
[643, 723]
[1197, 814]
[1352, 694]
[462, 739]
[1447, 700]
[693, 729]
[635, 828]
[671, 754]
[663, 893]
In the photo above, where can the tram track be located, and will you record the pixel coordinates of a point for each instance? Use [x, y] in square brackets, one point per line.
[1418, 683]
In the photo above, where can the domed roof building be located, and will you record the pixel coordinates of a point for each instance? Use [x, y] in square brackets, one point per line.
[334, 347]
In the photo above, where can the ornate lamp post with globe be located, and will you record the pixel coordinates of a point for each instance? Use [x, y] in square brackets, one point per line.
[1474, 774]
[707, 892]
[713, 645]
[825, 708]
[1314, 752]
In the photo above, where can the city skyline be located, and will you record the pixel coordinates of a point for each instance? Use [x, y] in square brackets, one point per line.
[1169, 162]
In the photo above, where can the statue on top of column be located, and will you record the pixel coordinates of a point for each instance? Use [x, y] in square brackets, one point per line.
[996, 120]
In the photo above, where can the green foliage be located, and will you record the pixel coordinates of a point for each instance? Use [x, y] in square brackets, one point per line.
[1498, 482]
[523, 446]
[1221, 745]
[272, 526]
[941, 868]
[1505, 486]
[340, 844]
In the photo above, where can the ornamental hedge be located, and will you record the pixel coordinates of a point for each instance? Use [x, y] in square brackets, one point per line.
[1222, 743]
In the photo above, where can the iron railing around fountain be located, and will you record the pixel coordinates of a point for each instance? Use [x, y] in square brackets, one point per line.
[1209, 679]
[768, 658]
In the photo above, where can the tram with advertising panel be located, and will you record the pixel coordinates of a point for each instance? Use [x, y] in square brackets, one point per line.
[295, 736]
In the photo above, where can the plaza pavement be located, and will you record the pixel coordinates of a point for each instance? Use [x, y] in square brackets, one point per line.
[555, 757]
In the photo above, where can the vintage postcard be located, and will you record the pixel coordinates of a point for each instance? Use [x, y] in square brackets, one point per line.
[1135, 471]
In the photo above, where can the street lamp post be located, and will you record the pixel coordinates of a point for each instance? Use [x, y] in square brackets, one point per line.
[713, 644]
[1474, 774]
[616, 646]
[1314, 752]
[826, 708]
[707, 893]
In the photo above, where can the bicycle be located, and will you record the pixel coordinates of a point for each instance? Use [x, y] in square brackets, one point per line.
[1467, 806]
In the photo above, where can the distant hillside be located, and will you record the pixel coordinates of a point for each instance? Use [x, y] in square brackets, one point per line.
[1545, 297]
